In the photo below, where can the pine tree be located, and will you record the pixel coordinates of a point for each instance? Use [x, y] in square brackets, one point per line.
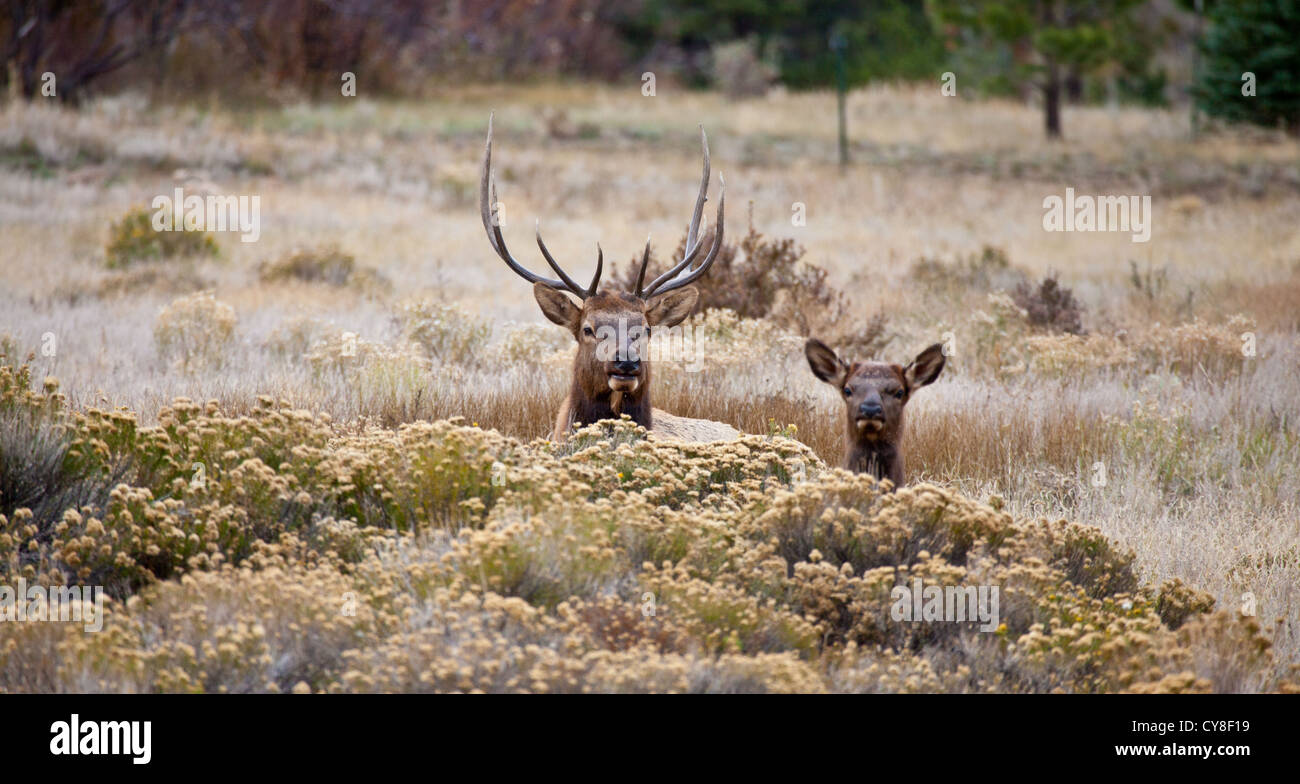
[1050, 38]
[1252, 46]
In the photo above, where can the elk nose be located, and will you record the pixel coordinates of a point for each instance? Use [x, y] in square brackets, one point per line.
[870, 408]
[628, 366]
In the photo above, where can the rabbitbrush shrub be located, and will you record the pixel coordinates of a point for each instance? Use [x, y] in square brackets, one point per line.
[276, 551]
[133, 238]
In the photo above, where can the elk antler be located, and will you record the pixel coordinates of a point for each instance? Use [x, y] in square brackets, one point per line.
[670, 280]
[488, 207]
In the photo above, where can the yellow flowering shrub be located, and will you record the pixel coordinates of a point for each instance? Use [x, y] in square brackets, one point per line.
[133, 238]
[276, 551]
[326, 264]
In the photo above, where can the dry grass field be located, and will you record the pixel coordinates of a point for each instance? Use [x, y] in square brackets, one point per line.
[394, 314]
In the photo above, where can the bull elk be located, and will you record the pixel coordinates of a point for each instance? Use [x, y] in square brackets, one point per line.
[874, 394]
[611, 371]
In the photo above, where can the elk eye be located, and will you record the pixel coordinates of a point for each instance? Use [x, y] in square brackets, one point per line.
[588, 331]
[847, 391]
[898, 393]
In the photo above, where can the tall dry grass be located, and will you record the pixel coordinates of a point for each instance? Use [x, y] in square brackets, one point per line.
[1198, 444]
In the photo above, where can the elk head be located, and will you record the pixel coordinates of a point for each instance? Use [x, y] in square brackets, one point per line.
[611, 371]
[874, 395]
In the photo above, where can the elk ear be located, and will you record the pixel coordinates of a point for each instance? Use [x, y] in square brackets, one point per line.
[672, 308]
[926, 367]
[824, 363]
[557, 306]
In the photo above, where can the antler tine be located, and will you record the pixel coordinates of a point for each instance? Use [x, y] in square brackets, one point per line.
[695, 274]
[487, 207]
[569, 283]
[600, 265]
[640, 276]
[693, 245]
[693, 232]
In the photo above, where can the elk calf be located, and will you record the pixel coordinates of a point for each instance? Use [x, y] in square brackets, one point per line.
[874, 395]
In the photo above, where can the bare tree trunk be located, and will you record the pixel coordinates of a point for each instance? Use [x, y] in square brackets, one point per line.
[1052, 101]
[1074, 86]
[123, 31]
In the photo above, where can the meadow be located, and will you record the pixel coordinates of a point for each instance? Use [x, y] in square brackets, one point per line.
[314, 461]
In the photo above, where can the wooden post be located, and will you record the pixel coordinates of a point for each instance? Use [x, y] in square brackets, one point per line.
[1195, 120]
[838, 45]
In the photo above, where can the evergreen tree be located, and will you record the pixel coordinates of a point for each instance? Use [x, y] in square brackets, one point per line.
[884, 38]
[1252, 46]
[1050, 38]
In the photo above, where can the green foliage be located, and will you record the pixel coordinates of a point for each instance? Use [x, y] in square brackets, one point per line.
[1063, 36]
[25, 156]
[1262, 38]
[885, 38]
[133, 239]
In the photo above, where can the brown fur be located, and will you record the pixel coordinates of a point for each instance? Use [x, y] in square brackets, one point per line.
[615, 320]
[873, 441]
[611, 368]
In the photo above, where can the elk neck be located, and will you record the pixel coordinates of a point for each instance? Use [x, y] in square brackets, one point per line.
[879, 454]
[591, 399]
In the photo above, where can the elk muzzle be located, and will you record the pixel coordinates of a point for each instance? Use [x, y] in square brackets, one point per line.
[870, 415]
[624, 375]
